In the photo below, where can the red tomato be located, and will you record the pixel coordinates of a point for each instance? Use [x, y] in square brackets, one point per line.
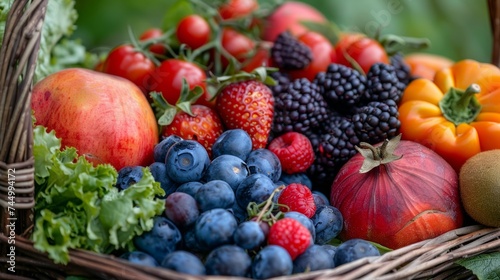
[154, 33]
[193, 30]
[167, 79]
[288, 16]
[237, 44]
[233, 9]
[365, 51]
[321, 49]
[126, 62]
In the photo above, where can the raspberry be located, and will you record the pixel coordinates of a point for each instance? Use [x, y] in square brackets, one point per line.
[298, 198]
[294, 151]
[291, 235]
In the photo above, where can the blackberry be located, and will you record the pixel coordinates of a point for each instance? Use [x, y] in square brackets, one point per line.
[289, 53]
[299, 107]
[332, 151]
[382, 84]
[377, 121]
[341, 86]
[402, 68]
[282, 80]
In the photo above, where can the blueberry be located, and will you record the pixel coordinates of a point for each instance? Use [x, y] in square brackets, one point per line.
[228, 168]
[354, 249]
[249, 235]
[240, 213]
[304, 220]
[159, 172]
[271, 261]
[184, 262]
[186, 161]
[190, 242]
[263, 161]
[140, 258]
[214, 194]
[215, 227]
[128, 176]
[181, 209]
[320, 198]
[161, 240]
[254, 188]
[160, 150]
[234, 142]
[331, 250]
[300, 178]
[228, 260]
[314, 258]
[328, 222]
[190, 188]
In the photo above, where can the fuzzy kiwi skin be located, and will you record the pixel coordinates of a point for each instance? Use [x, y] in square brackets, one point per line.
[479, 181]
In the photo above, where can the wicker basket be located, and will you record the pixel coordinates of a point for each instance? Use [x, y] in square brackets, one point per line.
[433, 258]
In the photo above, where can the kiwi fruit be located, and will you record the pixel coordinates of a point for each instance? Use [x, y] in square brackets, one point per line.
[479, 183]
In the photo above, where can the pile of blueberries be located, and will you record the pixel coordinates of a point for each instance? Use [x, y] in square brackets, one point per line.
[206, 228]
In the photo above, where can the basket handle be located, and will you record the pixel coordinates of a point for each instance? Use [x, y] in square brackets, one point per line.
[494, 12]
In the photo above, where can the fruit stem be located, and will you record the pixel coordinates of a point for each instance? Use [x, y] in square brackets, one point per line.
[376, 156]
[265, 209]
[461, 106]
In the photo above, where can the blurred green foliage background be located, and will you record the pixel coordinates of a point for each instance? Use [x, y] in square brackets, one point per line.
[456, 29]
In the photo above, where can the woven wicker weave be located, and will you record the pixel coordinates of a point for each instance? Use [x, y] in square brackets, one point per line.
[434, 258]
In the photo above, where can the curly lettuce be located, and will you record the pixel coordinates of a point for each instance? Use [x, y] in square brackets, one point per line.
[78, 206]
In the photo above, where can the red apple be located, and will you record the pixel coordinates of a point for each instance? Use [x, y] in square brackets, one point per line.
[106, 118]
[288, 16]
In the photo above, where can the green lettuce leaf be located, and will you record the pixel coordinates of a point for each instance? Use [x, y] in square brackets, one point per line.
[78, 206]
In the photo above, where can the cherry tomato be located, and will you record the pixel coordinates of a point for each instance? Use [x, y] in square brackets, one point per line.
[321, 49]
[365, 51]
[237, 44]
[262, 57]
[193, 30]
[154, 33]
[126, 62]
[233, 9]
[167, 79]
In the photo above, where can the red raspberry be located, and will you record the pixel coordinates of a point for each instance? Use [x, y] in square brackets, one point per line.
[291, 235]
[298, 198]
[294, 150]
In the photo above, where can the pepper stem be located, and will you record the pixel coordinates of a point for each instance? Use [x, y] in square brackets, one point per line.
[376, 156]
[461, 106]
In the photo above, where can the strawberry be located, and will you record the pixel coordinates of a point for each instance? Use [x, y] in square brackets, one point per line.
[203, 125]
[298, 198]
[291, 235]
[248, 105]
[187, 120]
[294, 151]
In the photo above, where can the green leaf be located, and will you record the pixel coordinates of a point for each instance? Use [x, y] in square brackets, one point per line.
[484, 266]
[78, 205]
[168, 116]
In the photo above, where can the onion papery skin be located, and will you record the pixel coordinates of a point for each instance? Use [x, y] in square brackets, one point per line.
[399, 203]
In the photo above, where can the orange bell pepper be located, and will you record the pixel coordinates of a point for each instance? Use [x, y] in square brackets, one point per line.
[457, 114]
